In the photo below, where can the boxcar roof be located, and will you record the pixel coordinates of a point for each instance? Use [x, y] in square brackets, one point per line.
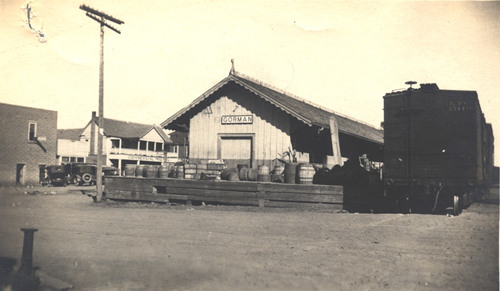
[301, 109]
[433, 88]
[430, 87]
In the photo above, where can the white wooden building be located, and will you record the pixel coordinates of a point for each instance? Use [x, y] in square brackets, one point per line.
[123, 143]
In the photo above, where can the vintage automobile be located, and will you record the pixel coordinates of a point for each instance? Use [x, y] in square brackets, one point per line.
[57, 175]
[85, 174]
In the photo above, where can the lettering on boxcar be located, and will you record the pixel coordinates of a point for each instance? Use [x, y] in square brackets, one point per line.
[459, 106]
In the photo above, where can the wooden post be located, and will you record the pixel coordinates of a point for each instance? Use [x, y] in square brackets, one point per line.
[27, 255]
[101, 18]
[261, 195]
[101, 119]
[92, 134]
[334, 132]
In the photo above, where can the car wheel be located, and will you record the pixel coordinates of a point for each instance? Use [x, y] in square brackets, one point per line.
[87, 178]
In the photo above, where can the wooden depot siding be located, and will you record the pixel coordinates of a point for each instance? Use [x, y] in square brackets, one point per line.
[270, 128]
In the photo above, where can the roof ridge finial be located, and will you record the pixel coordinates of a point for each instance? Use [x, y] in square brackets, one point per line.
[232, 68]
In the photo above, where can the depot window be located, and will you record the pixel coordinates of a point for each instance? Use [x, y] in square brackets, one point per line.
[143, 145]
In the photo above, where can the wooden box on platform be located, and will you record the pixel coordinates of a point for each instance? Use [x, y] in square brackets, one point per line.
[223, 192]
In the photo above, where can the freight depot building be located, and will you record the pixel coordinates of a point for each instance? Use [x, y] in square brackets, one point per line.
[28, 143]
[243, 121]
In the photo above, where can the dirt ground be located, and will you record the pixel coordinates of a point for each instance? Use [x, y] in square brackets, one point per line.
[130, 246]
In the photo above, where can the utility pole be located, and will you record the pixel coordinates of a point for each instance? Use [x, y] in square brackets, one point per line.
[101, 18]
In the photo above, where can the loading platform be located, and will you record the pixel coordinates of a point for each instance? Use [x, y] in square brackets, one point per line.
[248, 193]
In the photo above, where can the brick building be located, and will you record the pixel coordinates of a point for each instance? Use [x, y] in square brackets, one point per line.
[28, 142]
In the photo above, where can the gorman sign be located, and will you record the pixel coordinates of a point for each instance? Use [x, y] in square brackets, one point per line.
[237, 119]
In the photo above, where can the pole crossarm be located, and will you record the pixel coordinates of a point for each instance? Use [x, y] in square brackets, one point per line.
[102, 22]
[100, 14]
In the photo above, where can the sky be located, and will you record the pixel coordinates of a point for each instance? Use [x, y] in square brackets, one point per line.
[341, 55]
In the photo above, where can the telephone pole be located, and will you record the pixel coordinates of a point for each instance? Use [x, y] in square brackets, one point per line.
[101, 18]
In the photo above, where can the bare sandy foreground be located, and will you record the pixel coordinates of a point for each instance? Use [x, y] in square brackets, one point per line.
[116, 246]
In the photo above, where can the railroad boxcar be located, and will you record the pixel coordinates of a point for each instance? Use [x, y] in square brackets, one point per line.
[438, 149]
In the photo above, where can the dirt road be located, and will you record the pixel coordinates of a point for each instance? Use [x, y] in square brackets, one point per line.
[113, 246]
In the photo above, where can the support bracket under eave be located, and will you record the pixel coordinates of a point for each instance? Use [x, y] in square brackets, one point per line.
[40, 144]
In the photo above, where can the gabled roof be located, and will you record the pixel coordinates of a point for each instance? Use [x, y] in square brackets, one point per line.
[300, 109]
[71, 134]
[126, 129]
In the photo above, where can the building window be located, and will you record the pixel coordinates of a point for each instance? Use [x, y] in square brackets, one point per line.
[129, 144]
[151, 146]
[115, 143]
[32, 130]
[172, 149]
[142, 145]
[159, 147]
[72, 159]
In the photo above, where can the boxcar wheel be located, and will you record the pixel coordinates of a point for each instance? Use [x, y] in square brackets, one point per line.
[457, 205]
[404, 205]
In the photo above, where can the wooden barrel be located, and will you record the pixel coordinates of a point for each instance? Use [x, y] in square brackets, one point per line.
[130, 170]
[224, 174]
[200, 168]
[305, 174]
[216, 167]
[277, 178]
[139, 171]
[179, 171]
[264, 177]
[233, 177]
[278, 169]
[210, 175]
[164, 171]
[243, 173]
[263, 170]
[252, 174]
[190, 171]
[239, 166]
[290, 173]
[150, 171]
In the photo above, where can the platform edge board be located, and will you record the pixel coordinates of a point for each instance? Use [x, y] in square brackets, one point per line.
[224, 192]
